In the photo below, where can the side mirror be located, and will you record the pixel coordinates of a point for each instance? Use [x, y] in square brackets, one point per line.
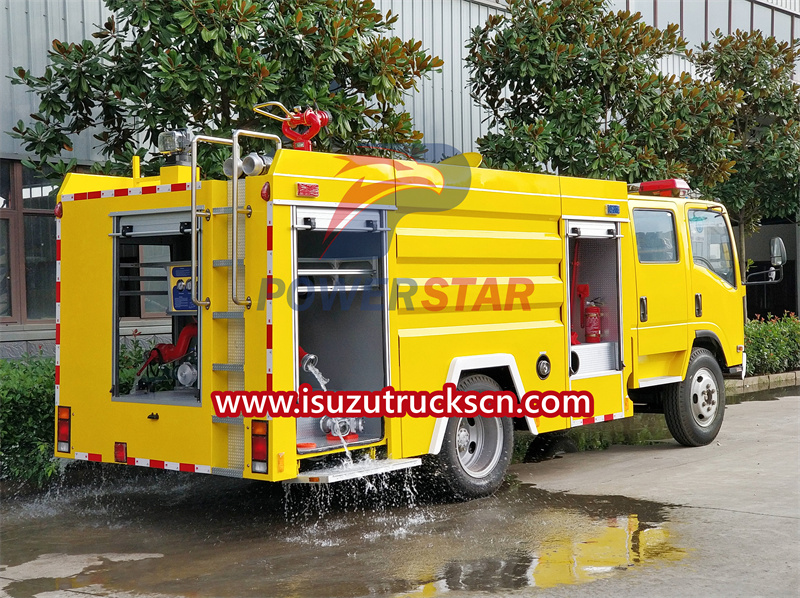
[777, 254]
[777, 251]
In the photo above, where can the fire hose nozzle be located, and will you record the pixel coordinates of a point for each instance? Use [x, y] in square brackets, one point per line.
[308, 362]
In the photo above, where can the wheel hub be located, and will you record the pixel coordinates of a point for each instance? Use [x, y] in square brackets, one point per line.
[479, 443]
[705, 397]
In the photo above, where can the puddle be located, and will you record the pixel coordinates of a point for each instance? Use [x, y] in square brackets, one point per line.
[125, 532]
[176, 534]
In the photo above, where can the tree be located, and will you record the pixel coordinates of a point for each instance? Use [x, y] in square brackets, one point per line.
[766, 180]
[572, 87]
[203, 64]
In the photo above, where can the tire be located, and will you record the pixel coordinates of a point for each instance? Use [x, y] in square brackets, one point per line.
[476, 451]
[694, 408]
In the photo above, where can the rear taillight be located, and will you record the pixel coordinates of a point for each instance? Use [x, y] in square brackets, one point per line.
[63, 429]
[121, 452]
[259, 446]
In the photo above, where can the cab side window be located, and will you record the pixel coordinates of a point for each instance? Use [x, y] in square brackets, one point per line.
[656, 240]
[711, 244]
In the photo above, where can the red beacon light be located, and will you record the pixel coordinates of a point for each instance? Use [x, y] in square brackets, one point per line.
[665, 188]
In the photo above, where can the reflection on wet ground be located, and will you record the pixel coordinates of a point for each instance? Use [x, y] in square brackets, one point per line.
[178, 534]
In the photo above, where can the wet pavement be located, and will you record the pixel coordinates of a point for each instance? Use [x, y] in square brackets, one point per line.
[634, 520]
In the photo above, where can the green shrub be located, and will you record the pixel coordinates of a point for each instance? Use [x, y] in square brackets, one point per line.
[131, 358]
[772, 344]
[27, 419]
[27, 412]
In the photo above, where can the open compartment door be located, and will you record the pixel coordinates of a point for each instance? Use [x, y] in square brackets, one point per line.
[341, 315]
[595, 312]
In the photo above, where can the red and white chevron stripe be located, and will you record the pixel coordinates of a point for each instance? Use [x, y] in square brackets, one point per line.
[597, 419]
[130, 191]
[152, 463]
[58, 309]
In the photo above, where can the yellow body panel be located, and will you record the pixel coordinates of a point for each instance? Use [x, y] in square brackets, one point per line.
[463, 237]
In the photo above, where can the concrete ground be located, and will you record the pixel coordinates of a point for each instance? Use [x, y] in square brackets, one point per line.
[631, 521]
[736, 504]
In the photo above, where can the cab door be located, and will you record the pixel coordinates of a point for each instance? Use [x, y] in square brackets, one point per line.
[661, 289]
[716, 290]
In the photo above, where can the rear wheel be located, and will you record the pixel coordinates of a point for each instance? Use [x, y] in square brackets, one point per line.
[695, 407]
[476, 451]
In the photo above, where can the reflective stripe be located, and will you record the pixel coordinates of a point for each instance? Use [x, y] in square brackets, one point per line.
[170, 188]
[597, 419]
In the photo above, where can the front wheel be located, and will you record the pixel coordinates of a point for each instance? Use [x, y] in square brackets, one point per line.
[695, 407]
[476, 451]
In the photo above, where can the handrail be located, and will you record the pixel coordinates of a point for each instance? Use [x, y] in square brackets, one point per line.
[195, 214]
[247, 302]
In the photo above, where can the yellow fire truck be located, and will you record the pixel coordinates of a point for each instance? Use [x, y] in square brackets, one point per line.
[633, 295]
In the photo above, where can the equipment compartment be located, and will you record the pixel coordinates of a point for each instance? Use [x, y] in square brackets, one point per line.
[340, 305]
[153, 278]
[594, 291]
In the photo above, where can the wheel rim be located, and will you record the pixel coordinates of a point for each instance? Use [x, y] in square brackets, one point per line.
[479, 443]
[704, 397]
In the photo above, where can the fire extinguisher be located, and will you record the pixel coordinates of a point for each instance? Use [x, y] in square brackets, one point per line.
[591, 314]
[593, 324]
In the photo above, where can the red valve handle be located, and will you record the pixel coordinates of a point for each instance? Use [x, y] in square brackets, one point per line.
[313, 119]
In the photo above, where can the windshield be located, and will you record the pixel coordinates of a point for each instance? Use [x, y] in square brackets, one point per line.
[711, 243]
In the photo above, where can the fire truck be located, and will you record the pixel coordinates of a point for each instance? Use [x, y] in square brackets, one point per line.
[358, 272]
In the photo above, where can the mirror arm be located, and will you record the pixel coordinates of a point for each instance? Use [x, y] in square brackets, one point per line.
[778, 278]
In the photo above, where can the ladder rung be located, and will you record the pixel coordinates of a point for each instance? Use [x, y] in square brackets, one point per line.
[227, 263]
[227, 367]
[228, 315]
[227, 210]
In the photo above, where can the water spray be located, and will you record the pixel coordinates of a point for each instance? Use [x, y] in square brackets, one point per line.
[345, 429]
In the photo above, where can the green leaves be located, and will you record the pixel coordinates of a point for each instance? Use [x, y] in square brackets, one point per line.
[203, 64]
[772, 344]
[591, 81]
[27, 419]
[766, 180]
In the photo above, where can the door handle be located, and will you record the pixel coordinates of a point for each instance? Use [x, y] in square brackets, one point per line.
[643, 309]
[698, 305]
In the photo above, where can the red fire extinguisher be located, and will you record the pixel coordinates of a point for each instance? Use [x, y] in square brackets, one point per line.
[591, 314]
[593, 325]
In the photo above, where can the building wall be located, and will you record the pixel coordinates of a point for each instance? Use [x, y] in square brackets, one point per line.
[442, 108]
[27, 29]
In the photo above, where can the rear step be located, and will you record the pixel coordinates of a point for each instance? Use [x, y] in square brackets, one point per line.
[357, 470]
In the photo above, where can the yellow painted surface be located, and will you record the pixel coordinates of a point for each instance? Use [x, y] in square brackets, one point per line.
[465, 237]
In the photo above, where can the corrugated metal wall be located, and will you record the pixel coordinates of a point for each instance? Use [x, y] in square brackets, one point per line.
[27, 28]
[443, 108]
